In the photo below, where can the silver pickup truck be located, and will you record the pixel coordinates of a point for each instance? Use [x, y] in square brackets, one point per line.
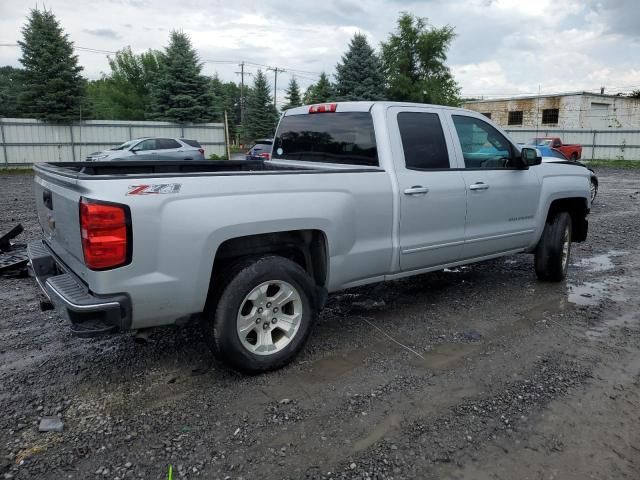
[354, 193]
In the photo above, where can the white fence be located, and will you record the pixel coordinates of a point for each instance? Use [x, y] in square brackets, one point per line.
[611, 144]
[26, 141]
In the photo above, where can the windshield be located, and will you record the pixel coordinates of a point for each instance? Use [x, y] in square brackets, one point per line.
[539, 141]
[125, 145]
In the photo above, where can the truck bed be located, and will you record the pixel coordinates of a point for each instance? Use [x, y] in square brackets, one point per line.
[164, 168]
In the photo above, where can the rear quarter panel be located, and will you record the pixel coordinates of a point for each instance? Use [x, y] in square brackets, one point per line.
[176, 236]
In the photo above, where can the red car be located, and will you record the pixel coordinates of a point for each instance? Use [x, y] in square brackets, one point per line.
[571, 151]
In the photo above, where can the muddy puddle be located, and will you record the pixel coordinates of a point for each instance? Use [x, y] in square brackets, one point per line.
[605, 328]
[600, 263]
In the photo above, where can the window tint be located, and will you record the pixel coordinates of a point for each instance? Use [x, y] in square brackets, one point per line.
[346, 137]
[515, 117]
[423, 141]
[482, 145]
[192, 143]
[166, 143]
[148, 144]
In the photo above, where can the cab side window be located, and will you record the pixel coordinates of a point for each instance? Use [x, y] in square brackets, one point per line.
[423, 141]
[482, 145]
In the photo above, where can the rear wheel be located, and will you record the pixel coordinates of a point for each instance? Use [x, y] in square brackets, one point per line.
[264, 315]
[554, 249]
[574, 157]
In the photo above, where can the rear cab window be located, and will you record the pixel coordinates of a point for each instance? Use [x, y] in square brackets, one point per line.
[336, 137]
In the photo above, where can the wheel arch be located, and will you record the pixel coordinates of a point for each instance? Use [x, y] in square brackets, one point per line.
[307, 247]
[577, 208]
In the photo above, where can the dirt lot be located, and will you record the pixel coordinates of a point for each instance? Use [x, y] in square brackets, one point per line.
[503, 378]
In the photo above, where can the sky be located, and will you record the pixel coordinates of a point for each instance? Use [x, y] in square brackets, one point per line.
[502, 47]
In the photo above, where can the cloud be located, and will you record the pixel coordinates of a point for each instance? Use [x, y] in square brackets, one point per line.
[103, 32]
[621, 17]
[502, 46]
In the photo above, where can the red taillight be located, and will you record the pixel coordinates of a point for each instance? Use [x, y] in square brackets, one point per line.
[105, 234]
[323, 108]
[201, 150]
[265, 155]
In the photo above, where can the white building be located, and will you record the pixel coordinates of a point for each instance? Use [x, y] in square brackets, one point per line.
[580, 110]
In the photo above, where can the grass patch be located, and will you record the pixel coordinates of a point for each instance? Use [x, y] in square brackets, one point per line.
[612, 163]
[16, 171]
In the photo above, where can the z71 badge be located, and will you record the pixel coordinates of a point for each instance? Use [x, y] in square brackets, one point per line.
[159, 188]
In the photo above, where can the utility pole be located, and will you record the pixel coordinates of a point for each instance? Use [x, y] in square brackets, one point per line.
[275, 82]
[226, 135]
[241, 72]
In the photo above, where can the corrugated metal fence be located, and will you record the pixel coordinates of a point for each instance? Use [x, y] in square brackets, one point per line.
[26, 141]
[611, 144]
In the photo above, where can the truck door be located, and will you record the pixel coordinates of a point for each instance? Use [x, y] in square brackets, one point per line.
[502, 198]
[431, 189]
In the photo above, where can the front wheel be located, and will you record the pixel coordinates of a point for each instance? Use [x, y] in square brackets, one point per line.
[264, 315]
[554, 249]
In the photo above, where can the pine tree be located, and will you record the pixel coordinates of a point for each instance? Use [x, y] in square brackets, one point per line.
[53, 87]
[11, 86]
[320, 92]
[413, 61]
[359, 76]
[181, 93]
[292, 95]
[261, 114]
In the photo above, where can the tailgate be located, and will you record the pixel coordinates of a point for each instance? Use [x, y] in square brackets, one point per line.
[57, 203]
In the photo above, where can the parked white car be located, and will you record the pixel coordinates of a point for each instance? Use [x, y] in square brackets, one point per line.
[151, 148]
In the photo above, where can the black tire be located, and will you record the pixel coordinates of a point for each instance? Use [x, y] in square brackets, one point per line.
[551, 265]
[220, 323]
[574, 157]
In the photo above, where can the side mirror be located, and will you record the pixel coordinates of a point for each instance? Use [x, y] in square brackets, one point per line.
[530, 156]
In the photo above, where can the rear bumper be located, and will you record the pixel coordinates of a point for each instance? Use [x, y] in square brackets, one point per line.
[89, 314]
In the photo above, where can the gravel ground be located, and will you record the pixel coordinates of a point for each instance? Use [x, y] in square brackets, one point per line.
[490, 374]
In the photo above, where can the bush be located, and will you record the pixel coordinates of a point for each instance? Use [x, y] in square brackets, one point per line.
[213, 156]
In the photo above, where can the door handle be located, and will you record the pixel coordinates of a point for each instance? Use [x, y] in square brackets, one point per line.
[479, 186]
[416, 190]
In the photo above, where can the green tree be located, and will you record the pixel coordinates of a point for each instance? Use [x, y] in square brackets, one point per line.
[180, 93]
[11, 86]
[124, 94]
[261, 114]
[359, 76]
[320, 92]
[226, 96]
[413, 61]
[635, 94]
[53, 87]
[292, 95]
